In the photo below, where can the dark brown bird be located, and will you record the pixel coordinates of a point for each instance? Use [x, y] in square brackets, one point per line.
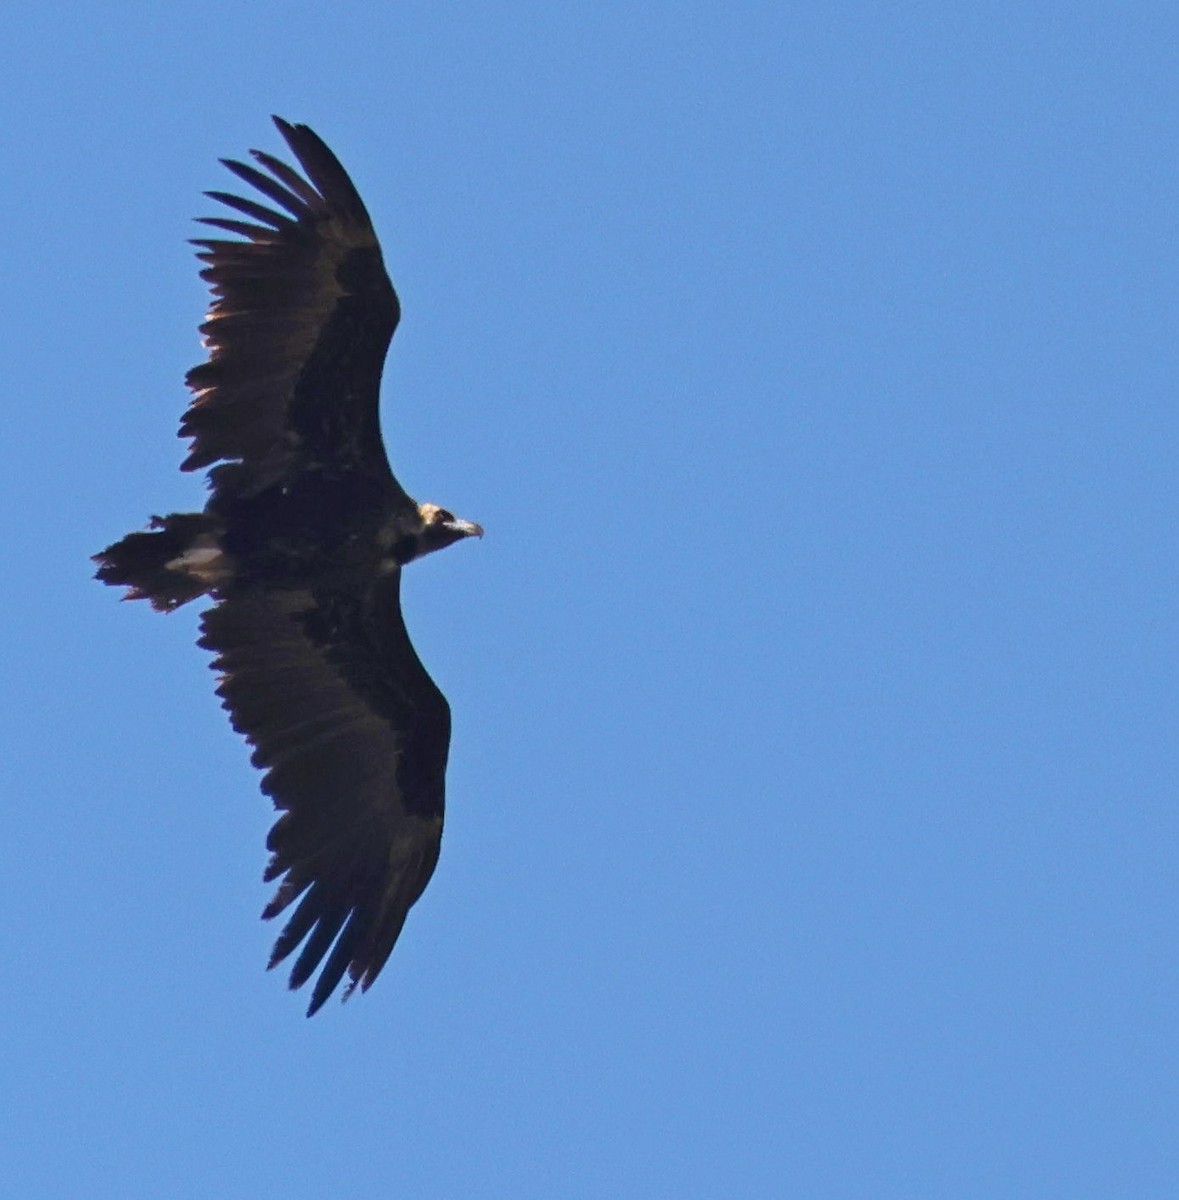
[301, 547]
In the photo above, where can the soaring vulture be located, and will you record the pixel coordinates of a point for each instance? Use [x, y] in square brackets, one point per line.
[300, 548]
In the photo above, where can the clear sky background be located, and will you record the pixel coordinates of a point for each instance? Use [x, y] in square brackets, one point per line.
[812, 823]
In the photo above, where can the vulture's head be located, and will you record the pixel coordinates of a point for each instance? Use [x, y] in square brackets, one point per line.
[437, 528]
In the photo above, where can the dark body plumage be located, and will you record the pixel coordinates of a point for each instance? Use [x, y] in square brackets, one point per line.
[301, 547]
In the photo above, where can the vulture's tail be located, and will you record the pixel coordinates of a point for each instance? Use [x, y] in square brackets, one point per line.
[177, 559]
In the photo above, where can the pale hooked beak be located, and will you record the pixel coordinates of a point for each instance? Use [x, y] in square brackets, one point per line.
[465, 528]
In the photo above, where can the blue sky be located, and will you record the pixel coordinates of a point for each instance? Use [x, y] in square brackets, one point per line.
[812, 824]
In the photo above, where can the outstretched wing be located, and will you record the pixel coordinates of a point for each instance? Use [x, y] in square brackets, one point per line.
[302, 315]
[353, 734]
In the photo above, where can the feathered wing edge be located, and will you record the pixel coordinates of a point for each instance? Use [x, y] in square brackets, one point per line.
[307, 259]
[349, 845]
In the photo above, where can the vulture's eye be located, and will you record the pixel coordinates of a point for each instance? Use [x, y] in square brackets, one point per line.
[443, 515]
